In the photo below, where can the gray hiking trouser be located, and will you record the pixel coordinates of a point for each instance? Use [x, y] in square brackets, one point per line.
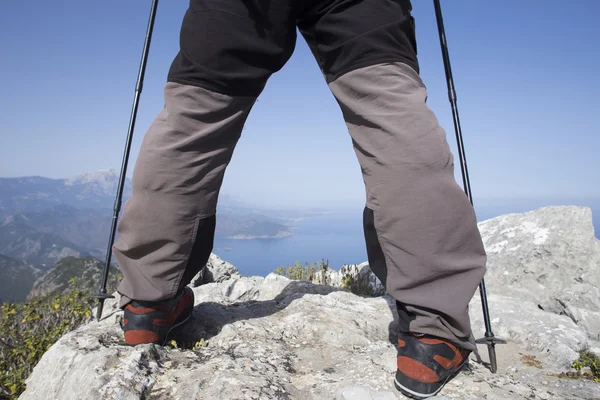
[420, 229]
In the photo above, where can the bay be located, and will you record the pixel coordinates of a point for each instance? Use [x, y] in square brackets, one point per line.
[336, 237]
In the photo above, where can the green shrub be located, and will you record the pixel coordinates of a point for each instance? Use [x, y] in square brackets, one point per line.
[307, 272]
[361, 287]
[588, 360]
[324, 267]
[27, 330]
[313, 273]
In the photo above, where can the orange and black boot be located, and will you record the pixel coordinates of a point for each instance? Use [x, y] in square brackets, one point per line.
[426, 363]
[151, 322]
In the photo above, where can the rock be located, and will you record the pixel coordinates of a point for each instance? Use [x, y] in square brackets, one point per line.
[273, 338]
[549, 257]
[363, 279]
[300, 344]
[362, 393]
[540, 332]
[216, 270]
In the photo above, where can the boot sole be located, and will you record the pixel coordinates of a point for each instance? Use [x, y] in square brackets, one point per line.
[176, 326]
[419, 396]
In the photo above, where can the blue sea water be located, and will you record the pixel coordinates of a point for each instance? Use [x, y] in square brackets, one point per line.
[336, 237]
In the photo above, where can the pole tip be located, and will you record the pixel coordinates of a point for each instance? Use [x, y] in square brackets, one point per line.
[99, 309]
[490, 340]
[493, 361]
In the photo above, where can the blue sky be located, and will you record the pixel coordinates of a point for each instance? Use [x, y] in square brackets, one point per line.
[526, 74]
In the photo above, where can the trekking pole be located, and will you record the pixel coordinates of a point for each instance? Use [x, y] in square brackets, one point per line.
[490, 340]
[102, 295]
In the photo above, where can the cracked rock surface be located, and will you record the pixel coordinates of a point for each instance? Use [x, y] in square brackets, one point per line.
[272, 338]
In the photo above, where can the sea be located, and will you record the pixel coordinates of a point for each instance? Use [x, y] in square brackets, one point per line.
[338, 238]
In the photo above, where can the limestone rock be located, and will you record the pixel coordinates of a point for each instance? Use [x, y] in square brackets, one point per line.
[272, 338]
[307, 342]
[216, 270]
[549, 257]
[361, 274]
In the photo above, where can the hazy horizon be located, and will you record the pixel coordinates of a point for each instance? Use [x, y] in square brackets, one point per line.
[485, 205]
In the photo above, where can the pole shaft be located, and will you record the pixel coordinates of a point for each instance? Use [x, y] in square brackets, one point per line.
[453, 101]
[465, 173]
[125, 161]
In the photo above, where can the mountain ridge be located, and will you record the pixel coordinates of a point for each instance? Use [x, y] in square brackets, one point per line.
[44, 220]
[36, 193]
[87, 273]
[23, 242]
[16, 279]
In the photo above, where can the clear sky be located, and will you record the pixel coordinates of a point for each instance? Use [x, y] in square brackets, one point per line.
[526, 74]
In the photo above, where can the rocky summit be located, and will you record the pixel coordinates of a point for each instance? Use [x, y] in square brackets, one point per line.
[274, 338]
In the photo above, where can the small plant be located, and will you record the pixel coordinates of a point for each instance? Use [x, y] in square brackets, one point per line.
[324, 267]
[182, 345]
[361, 287]
[588, 360]
[298, 272]
[587, 366]
[27, 330]
[199, 344]
[279, 271]
[320, 274]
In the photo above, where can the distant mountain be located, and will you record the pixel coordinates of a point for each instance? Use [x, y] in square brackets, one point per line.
[44, 220]
[16, 279]
[251, 227]
[87, 271]
[50, 225]
[88, 229]
[20, 240]
[41, 238]
[34, 193]
[237, 220]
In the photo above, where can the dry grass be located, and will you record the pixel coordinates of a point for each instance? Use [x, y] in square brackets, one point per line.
[530, 361]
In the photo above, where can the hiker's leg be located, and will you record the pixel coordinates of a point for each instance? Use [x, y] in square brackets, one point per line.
[421, 233]
[228, 51]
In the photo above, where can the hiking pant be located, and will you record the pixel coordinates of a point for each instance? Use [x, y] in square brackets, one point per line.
[420, 229]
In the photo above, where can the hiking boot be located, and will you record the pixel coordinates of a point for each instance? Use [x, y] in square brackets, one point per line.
[151, 322]
[426, 363]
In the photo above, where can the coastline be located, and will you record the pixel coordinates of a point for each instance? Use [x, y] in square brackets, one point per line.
[279, 235]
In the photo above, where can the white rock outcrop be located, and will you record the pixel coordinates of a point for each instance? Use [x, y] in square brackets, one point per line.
[272, 338]
[216, 270]
[548, 257]
[360, 273]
